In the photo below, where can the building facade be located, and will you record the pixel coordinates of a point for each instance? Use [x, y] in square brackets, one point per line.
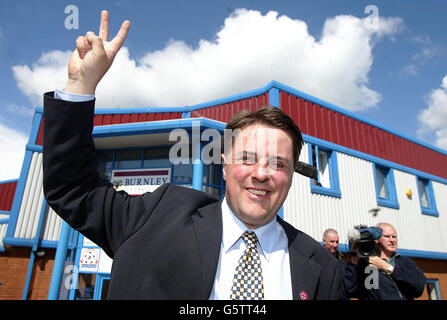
[367, 173]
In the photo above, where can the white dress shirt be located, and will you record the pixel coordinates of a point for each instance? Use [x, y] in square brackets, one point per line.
[273, 251]
[73, 97]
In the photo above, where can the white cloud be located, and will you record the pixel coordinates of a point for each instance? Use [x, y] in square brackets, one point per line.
[433, 119]
[249, 50]
[14, 109]
[409, 70]
[47, 74]
[19, 110]
[427, 52]
[12, 149]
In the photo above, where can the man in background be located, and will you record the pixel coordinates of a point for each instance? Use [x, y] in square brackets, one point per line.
[331, 241]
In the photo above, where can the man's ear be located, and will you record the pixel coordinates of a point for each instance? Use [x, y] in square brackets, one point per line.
[224, 166]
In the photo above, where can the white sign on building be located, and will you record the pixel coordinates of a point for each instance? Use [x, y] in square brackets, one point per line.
[139, 181]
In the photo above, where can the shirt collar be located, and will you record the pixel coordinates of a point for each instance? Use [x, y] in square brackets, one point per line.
[391, 260]
[233, 228]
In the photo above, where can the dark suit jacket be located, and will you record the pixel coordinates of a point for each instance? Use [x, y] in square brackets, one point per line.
[164, 244]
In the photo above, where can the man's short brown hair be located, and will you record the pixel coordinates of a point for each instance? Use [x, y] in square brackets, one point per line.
[271, 116]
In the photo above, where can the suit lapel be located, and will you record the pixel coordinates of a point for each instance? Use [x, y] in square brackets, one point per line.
[305, 275]
[208, 229]
[304, 272]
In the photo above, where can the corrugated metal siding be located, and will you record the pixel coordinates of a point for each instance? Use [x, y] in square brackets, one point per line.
[32, 200]
[326, 124]
[313, 213]
[108, 119]
[53, 226]
[224, 112]
[3, 228]
[7, 192]
[439, 224]
[31, 206]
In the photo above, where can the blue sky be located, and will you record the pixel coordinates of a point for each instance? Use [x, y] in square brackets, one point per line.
[393, 76]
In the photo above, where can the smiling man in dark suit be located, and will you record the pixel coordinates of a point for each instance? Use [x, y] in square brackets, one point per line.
[179, 243]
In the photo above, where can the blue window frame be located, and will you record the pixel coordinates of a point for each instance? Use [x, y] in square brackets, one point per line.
[101, 286]
[433, 289]
[385, 187]
[426, 197]
[325, 160]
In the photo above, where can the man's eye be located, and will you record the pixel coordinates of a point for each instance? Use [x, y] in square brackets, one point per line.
[246, 160]
[275, 164]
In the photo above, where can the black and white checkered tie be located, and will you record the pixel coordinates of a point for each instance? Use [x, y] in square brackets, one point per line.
[247, 281]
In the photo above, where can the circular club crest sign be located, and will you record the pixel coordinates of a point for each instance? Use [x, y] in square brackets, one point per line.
[89, 259]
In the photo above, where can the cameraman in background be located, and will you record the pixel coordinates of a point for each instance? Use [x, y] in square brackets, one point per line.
[384, 274]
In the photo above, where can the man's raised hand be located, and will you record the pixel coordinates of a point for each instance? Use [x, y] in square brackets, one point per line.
[93, 57]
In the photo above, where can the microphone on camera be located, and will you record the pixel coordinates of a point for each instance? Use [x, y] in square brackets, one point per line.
[353, 235]
[306, 170]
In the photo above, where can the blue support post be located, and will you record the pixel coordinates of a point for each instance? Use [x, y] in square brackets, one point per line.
[59, 262]
[28, 275]
[75, 271]
[34, 248]
[197, 168]
[274, 99]
[197, 175]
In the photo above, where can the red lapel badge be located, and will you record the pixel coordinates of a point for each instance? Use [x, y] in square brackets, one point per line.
[303, 295]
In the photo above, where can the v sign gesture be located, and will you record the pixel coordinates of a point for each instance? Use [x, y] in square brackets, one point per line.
[93, 57]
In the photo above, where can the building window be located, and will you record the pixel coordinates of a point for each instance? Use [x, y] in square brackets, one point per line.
[427, 197]
[182, 174]
[213, 181]
[128, 159]
[325, 161]
[105, 164]
[385, 187]
[433, 289]
[86, 286]
[158, 157]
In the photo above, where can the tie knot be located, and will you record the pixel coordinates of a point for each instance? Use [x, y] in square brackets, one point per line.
[250, 239]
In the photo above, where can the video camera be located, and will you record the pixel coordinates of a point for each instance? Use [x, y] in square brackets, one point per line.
[362, 240]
